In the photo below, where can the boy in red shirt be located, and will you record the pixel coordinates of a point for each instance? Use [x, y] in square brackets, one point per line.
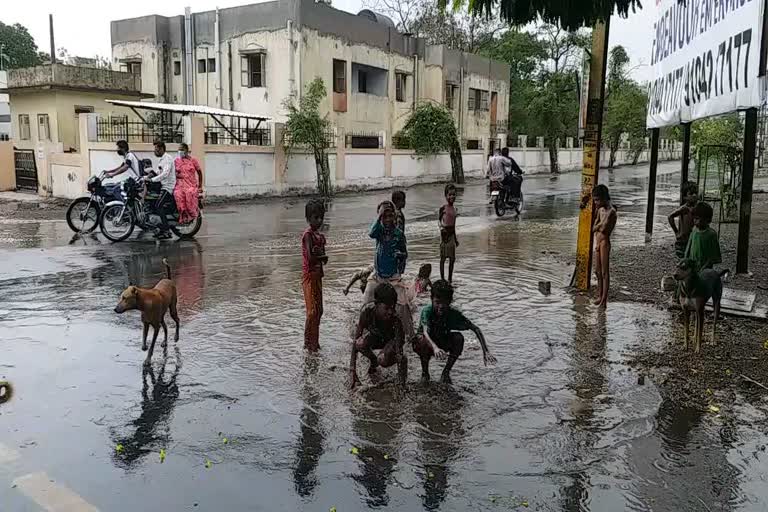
[313, 253]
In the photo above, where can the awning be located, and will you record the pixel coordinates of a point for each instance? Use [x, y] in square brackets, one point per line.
[185, 109]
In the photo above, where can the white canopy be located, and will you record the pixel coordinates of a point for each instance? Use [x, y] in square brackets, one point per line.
[185, 109]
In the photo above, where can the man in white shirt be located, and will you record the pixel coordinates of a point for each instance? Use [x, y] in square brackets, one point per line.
[166, 177]
[496, 171]
[130, 166]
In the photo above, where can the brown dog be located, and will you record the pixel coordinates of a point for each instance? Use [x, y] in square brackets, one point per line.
[695, 289]
[153, 303]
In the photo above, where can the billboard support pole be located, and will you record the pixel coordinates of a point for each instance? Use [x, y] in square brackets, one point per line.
[651, 206]
[745, 205]
[685, 157]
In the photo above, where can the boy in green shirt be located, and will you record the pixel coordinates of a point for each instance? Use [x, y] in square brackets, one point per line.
[437, 334]
[703, 245]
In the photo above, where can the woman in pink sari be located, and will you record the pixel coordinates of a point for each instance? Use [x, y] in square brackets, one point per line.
[189, 185]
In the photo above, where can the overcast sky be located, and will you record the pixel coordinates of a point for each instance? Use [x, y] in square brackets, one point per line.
[83, 27]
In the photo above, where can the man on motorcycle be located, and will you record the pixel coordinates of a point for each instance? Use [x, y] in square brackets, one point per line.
[165, 176]
[130, 163]
[496, 170]
[512, 175]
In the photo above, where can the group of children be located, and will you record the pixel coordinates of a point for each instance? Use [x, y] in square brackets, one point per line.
[694, 238]
[385, 322]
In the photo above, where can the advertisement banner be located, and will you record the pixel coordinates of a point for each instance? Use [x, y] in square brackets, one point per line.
[705, 57]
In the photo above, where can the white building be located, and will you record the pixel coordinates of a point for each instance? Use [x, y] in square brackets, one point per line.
[251, 58]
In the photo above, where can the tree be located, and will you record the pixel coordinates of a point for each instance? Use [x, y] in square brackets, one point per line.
[554, 110]
[402, 12]
[625, 108]
[306, 127]
[429, 130]
[571, 15]
[19, 46]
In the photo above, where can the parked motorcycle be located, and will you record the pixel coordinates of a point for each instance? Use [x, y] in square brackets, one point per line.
[83, 213]
[507, 198]
[119, 218]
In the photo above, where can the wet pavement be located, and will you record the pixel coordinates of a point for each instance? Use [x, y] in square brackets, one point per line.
[249, 422]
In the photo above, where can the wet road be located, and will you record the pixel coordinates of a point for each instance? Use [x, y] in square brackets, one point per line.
[248, 422]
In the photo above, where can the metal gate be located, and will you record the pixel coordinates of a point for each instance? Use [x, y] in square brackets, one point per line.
[26, 169]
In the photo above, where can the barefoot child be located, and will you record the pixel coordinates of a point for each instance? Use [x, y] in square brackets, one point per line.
[379, 328]
[446, 219]
[703, 245]
[313, 254]
[685, 214]
[437, 334]
[605, 221]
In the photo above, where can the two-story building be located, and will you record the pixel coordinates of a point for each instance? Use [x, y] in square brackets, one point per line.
[252, 58]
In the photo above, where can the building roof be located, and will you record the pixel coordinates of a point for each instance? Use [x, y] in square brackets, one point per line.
[63, 77]
[185, 109]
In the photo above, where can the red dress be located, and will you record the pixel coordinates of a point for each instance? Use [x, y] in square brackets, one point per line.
[187, 188]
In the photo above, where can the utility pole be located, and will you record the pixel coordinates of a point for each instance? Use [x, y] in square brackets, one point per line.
[53, 44]
[591, 165]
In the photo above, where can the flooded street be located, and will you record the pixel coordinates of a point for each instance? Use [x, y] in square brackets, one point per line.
[249, 422]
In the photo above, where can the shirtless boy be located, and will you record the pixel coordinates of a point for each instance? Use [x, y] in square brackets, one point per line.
[379, 328]
[446, 219]
[605, 221]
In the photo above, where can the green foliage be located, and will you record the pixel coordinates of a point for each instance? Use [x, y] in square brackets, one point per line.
[306, 127]
[554, 110]
[625, 107]
[17, 47]
[725, 130]
[429, 130]
[571, 15]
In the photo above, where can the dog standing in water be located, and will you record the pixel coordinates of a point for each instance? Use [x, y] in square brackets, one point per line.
[153, 304]
[695, 289]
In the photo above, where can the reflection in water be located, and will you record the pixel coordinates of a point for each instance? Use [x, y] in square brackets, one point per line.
[151, 430]
[377, 423]
[310, 442]
[441, 431]
[587, 380]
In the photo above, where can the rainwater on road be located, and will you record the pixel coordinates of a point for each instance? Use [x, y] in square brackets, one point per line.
[249, 422]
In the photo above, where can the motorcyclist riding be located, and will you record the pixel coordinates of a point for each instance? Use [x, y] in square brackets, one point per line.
[496, 170]
[165, 177]
[512, 180]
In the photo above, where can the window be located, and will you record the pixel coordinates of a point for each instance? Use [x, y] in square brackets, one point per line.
[24, 127]
[477, 100]
[483, 100]
[131, 67]
[176, 68]
[211, 137]
[211, 65]
[339, 76]
[43, 127]
[362, 81]
[451, 92]
[363, 141]
[473, 144]
[252, 70]
[201, 65]
[401, 79]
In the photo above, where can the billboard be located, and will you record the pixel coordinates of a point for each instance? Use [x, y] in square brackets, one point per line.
[705, 59]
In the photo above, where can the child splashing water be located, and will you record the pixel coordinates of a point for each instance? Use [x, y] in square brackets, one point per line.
[605, 221]
[313, 260]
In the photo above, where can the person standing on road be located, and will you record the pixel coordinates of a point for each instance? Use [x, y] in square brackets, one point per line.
[166, 177]
[189, 185]
[313, 260]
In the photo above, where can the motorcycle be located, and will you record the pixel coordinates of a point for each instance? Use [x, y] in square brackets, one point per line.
[84, 212]
[119, 218]
[504, 197]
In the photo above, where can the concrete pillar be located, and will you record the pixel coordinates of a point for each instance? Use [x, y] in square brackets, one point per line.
[91, 130]
[194, 135]
[281, 159]
[387, 157]
[522, 141]
[539, 142]
[341, 155]
[7, 166]
[569, 142]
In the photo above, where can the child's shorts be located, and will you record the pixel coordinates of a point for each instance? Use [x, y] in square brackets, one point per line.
[448, 248]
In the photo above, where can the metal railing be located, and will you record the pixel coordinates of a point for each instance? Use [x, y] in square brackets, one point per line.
[114, 128]
[329, 135]
[238, 135]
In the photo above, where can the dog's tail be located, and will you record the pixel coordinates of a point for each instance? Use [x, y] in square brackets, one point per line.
[167, 269]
